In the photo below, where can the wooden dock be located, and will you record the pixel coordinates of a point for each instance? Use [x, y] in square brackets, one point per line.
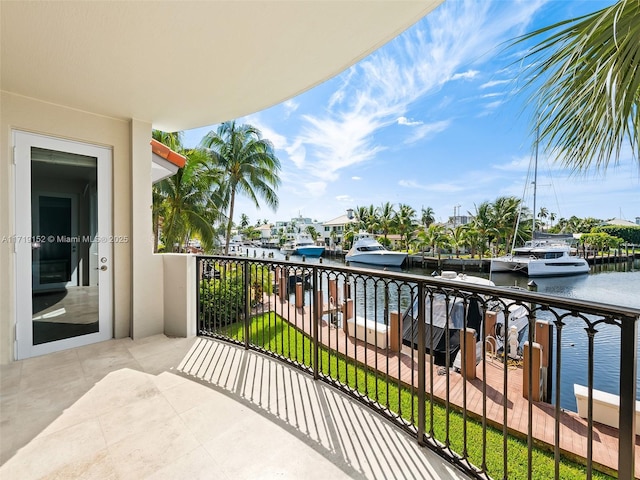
[404, 366]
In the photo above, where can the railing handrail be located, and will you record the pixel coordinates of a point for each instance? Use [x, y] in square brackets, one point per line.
[586, 306]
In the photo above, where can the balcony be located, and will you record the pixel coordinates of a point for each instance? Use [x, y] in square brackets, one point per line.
[190, 408]
[279, 368]
[435, 357]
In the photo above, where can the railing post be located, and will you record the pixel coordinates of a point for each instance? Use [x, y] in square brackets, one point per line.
[421, 365]
[627, 420]
[198, 295]
[316, 315]
[247, 302]
[469, 362]
[395, 344]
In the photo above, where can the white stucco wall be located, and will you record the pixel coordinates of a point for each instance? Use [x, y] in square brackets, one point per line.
[180, 288]
[21, 113]
[147, 305]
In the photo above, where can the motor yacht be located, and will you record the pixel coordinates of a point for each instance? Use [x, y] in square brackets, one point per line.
[366, 249]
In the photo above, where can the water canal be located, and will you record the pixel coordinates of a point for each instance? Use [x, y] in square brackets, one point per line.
[616, 284]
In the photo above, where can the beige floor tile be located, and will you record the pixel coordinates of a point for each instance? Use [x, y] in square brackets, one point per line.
[135, 417]
[186, 396]
[8, 405]
[10, 378]
[195, 465]
[49, 362]
[50, 453]
[96, 467]
[167, 380]
[212, 420]
[146, 452]
[108, 394]
[159, 362]
[139, 350]
[92, 413]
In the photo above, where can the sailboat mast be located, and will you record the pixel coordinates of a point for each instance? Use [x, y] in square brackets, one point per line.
[535, 183]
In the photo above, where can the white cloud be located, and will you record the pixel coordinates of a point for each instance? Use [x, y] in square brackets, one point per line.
[345, 198]
[316, 189]
[356, 178]
[468, 75]
[433, 187]
[279, 141]
[520, 164]
[430, 129]
[290, 106]
[493, 83]
[297, 153]
[378, 91]
[406, 121]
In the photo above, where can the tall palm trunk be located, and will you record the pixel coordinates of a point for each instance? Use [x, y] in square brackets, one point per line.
[230, 222]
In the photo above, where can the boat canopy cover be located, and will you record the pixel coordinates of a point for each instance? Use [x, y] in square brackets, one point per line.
[442, 318]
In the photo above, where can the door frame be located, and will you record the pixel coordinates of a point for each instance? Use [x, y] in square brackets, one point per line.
[23, 142]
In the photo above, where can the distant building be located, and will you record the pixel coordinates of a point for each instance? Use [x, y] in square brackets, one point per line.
[265, 234]
[459, 220]
[336, 225]
[619, 222]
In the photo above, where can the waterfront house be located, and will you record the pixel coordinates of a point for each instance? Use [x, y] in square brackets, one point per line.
[333, 230]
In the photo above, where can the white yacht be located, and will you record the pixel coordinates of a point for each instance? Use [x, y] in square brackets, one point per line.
[366, 249]
[304, 245]
[545, 256]
[541, 258]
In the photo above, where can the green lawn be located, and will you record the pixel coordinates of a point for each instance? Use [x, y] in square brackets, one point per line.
[272, 333]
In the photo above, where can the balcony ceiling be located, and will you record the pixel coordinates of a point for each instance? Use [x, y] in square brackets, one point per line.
[182, 65]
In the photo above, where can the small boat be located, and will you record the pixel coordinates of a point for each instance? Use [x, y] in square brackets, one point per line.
[366, 249]
[288, 248]
[541, 258]
[235, 249]
[304, 245]
[440, 310]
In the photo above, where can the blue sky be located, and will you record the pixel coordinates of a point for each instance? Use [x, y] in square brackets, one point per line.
[431, 119]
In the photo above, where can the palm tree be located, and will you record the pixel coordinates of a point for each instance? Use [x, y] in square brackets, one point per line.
[505, 212]
[361, 217]
[405, 222]
[373, 222]
[484, 224]
[584, 82]
[247, 163]
[313, 233]
[473, 239]
[188, 202]
[428, 216]
[543, 214]
[457, 238]
[386, 218]
[421, 241]
[436, 237]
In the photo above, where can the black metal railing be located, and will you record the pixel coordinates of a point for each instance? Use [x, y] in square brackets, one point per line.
[481, 374]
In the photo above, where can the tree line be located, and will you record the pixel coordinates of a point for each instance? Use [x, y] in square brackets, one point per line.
[199, 200]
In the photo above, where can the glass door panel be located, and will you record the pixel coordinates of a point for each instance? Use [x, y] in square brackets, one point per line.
[63, 267]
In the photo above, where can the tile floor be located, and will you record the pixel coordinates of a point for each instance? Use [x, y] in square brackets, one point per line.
[162, 408]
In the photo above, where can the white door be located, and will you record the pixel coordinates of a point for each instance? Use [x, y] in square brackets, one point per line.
[64, 294]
